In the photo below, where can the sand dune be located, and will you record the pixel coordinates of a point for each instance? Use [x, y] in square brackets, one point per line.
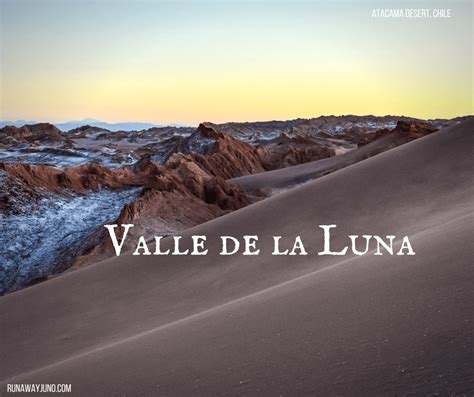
[368, 325]
[285, 178]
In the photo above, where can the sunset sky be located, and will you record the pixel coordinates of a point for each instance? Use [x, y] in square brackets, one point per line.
[186, 62]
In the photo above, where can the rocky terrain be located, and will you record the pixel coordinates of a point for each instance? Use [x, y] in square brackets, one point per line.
[45, 144]
[59, 188]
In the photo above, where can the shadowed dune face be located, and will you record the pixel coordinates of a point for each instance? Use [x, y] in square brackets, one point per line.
[305, 325]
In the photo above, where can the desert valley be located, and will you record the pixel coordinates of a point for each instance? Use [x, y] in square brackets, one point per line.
[234, 324]
[60, 187]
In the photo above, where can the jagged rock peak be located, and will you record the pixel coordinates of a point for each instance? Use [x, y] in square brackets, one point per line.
[210, 130]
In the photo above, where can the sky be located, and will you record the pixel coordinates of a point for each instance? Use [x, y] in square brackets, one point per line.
[192, 61]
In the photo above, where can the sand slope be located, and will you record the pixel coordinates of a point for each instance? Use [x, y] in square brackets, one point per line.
[300, 325]
[285, 178]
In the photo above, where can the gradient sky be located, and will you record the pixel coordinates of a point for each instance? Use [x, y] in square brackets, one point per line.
[186, 62]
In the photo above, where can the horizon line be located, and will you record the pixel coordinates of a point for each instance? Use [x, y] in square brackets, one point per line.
[87, 120]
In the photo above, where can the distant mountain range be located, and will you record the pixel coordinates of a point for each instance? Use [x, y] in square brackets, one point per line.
[69, 125]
